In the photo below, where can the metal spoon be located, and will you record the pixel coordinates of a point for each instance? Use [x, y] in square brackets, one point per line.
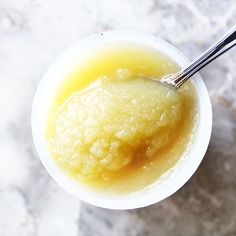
[220, 47]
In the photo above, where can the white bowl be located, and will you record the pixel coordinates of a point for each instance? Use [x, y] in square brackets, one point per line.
[163, 187]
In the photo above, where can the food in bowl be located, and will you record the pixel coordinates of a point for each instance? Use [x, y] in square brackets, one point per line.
[115, 129]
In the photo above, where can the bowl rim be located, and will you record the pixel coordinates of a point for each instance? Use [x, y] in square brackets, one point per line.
[149, 196]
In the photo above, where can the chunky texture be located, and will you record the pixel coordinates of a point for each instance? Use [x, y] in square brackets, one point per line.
[113, 122]
[113, 129]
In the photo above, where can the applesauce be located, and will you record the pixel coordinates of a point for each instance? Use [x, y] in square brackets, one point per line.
[114, 129]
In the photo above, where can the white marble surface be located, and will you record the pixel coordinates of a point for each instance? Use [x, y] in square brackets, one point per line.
[32, 33]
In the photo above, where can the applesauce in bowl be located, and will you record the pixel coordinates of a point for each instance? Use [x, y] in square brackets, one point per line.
[112, 132]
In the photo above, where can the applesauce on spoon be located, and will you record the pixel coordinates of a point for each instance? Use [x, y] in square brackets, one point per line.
[115, 131]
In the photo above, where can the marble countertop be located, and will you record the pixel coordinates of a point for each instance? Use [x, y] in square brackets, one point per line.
[32, 33]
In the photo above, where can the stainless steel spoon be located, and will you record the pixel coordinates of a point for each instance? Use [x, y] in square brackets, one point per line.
[220, 47]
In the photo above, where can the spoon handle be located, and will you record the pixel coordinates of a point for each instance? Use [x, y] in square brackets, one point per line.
[220, 47]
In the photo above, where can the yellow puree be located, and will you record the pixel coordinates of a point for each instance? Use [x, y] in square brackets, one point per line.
[113, 129]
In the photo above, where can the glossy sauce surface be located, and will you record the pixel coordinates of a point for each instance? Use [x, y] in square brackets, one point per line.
[115, 130]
